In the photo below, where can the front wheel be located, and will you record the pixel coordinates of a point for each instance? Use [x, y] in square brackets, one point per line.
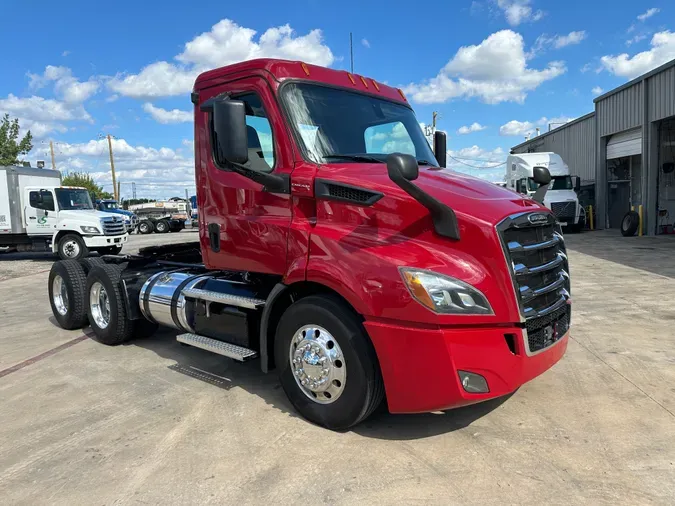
[326, 363]
[72, 247]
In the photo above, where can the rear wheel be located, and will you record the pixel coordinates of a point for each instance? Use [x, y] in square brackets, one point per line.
[326, 363]
[145, 227]
[105, 305]
[67, 282]
[72, 247]
[162, 227]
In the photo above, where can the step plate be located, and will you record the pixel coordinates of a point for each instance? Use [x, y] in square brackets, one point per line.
[214, 346]
[224, 298]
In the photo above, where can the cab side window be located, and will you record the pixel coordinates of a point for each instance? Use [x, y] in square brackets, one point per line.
[41, 200]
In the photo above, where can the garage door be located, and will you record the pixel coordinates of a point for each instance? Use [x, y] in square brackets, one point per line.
[625, 144]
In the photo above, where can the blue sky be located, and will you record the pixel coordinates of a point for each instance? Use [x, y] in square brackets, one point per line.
[493, 69]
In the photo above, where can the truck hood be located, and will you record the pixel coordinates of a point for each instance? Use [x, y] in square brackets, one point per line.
[559, 196]
[84, 217]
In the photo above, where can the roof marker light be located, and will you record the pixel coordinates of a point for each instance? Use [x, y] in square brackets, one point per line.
[400, 92]
[351, 78]
[376, 85]
[363, 80]
[305, 68]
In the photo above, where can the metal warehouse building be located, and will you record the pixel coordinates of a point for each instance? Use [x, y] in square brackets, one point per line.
[625, 150]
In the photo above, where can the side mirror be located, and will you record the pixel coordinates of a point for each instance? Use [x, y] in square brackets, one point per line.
[40, 200]
[440, 148]
[541, 176]
[577, 184]
[401, 166]
[229, 126]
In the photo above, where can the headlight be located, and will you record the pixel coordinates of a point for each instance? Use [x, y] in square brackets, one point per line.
[90, 230]
[443, 294]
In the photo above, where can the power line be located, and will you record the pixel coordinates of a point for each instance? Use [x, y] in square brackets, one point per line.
[477, 166]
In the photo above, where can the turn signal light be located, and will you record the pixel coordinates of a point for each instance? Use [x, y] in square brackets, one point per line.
[305, 68]
[363, 80]
[351, 78]
[400, 92]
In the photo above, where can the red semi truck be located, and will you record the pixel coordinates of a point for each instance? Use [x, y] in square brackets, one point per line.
[336, 249]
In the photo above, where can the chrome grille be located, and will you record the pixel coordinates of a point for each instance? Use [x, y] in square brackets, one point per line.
[113, 226]
[564, 211]
[536, 255]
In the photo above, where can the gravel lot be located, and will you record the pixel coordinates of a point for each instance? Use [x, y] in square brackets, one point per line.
[153, 422]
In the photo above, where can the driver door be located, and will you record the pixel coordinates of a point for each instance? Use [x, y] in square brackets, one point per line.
[40, 212]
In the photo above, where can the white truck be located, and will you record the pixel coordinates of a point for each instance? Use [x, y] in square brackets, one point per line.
[38, 214]
[561, 197]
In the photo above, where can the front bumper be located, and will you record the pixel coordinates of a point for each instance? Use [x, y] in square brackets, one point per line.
[420, 366]
[103, 241]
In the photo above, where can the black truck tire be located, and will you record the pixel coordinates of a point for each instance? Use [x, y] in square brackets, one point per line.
[90, 262]
[630, 224]
[67, 286]
[105, 305]
[72, 247]
[145, 227]
[162, 227]
[340, 329]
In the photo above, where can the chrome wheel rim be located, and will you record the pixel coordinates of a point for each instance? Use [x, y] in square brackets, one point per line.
[318, 364]
[60, 295]
[100, 305]
[71, 249]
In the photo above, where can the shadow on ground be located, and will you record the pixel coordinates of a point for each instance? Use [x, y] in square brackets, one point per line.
[225, 373]
[653, 254]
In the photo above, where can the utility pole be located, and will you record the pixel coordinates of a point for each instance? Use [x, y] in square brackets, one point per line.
[112, 168]
[117, 196]
[433, 121]
[51, 150]
[351, 51]
[133, 189]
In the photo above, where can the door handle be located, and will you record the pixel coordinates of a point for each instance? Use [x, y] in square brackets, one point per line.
[31, 217]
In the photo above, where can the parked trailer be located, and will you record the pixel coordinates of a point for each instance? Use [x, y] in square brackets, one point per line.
[352, 271]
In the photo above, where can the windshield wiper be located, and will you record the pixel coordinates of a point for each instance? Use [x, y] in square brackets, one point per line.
[426, 162]
[356, 158]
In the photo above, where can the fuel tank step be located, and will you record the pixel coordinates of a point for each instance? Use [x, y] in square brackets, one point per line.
[214, 346]
[223, 298]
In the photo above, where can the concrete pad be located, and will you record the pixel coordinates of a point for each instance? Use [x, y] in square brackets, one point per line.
[155, 422]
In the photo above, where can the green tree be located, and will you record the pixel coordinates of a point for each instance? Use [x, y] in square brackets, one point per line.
[10, 149]
[84, 180]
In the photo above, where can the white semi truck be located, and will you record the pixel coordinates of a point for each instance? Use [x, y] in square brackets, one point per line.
[38, 214]
[561, 197]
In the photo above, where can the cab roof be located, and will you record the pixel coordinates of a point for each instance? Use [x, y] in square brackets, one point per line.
[284, 70]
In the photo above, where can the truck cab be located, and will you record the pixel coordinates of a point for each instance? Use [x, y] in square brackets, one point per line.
[336, 249]
[66, 216]
[561, 196]
[113, 207]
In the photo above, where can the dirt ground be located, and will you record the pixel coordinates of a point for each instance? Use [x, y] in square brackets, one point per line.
[154, 422]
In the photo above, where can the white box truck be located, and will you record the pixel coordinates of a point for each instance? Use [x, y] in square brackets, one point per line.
[38, 214]
[561, 197]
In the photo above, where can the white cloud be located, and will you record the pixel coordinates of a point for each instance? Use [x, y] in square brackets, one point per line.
[518, 128]
[586, 68]
[166, 117]
[66, 86]
[662, 50]
[597, 90]
[365, 43]
[555, 41]
[636, 39]
[473, 127]
[42, 109]
[65, 53]
[494, 71]
[519, 11]
[224, 44]
[648, 14]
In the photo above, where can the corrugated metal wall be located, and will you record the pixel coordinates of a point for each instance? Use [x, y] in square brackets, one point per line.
[661, 94]
[620, 111]
[574, 143]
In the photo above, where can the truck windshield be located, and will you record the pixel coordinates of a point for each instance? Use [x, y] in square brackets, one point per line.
[73, 199]
[109, 205]
[557, 183]
[339, 125]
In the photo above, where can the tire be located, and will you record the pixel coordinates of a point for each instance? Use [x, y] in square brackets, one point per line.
[110, 250]
[145, 227]
[72, 247]
[362, 391]
[89, 263]
[71, 313]
[630, 224]
[119, 328]
[162, 227]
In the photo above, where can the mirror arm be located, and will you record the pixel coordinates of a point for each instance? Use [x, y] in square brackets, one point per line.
[444, 218]
[273, 183]
[540, 193]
